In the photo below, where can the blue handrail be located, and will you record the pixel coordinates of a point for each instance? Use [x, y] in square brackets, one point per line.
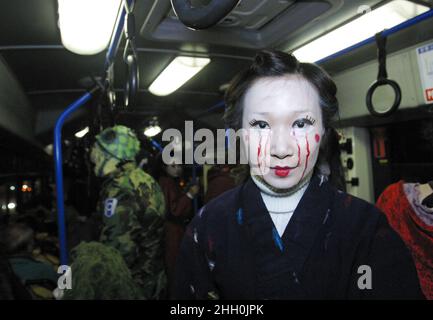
[387, 32]
[156, 145]
[59, 173]
[116, 36]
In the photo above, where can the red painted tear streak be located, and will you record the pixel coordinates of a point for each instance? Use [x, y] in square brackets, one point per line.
[317, 138]
[299, 152]
[307, 157]
[264, 156]
[259, 151]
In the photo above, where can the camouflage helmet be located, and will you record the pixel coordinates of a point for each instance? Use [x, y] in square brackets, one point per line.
[119, 141]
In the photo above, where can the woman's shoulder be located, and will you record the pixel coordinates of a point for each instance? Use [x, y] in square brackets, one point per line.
[354, 211]
[350, 201]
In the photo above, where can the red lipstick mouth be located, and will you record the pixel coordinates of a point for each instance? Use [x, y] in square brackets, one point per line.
[282, 171]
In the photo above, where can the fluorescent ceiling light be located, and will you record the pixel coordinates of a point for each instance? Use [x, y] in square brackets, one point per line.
[152, 131]
[86, 25]
[364, 27]
[179, 71]
[82, 133]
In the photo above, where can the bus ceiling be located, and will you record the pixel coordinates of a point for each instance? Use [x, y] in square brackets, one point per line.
[41, 67]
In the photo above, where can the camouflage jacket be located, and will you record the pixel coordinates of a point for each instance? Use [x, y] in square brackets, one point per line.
[133, 209]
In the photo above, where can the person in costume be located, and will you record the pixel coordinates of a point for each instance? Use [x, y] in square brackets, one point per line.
[287, 232]
[132, 207]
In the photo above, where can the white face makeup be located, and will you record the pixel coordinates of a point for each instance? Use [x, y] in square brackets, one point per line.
[283, 129]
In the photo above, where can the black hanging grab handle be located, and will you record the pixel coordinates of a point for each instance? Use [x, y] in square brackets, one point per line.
[132, 82]
[130, 57]
[382, 80]
[205, 16]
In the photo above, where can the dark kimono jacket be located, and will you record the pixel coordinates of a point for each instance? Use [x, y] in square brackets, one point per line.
[231, 250]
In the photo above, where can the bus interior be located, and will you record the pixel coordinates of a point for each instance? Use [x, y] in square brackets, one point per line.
[55, 96]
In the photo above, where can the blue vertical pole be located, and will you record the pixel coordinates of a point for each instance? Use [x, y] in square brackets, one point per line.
[59, 174]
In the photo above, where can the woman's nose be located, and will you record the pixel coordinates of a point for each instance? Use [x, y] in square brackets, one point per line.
[283, 144]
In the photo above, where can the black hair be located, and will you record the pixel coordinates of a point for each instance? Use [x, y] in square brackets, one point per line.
[273, 63]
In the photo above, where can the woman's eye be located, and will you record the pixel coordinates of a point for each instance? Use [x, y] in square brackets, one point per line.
[299, 124]
[302, 123]
[262, 125]
[259, 124]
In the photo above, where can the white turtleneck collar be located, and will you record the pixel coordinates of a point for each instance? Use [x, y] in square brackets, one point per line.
[281, 205]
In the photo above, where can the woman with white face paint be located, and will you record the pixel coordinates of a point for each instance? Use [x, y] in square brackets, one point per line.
[287, 232]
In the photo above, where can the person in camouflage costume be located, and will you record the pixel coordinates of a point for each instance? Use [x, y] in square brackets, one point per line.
[133, 207]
